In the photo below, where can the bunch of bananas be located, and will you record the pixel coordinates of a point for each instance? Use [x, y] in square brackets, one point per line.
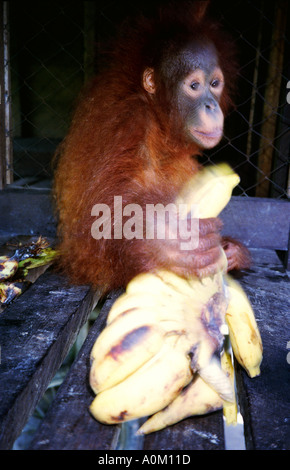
[157, 353]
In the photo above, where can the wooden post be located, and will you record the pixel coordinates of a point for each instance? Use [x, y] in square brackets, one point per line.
[271, 103]
[2, 106]
[254, 92]
[6, 173]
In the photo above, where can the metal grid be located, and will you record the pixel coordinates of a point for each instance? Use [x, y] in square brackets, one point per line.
[54, 50]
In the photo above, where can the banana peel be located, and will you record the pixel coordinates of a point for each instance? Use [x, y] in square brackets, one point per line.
[14, 269]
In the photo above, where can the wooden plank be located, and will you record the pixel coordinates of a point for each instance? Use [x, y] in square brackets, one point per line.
[196, 433]
[258, 222]
[27, 212]
[36, 332]
[68, 424]
[265, 400]
[6, 159]
[2, 104]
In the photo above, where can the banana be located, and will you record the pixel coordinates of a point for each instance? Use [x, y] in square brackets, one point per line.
[141, 291]
[149, 389]
[174, 293]
[156, 353]
[149, 282]
[178, 284]
[125, 357]
[230, 408]
[197, 398]
[137, 334]
[211, 191]
[243, 330]
[133, 300]
[126, 343]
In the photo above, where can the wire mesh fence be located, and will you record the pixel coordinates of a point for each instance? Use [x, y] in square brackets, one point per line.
[54, 50]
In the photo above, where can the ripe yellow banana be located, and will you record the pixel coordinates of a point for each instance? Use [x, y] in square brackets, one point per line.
[164, 330]
[210, 190]
[149, 389]
[197, 290]
[211, 196]
[133, 300]
[136, 333]
[150, 283]
[243, 330]
[230, 408]
[197, 398]
[148, 291]
[129, 353]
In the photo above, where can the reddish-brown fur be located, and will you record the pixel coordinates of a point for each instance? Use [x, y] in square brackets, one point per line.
[120, 143]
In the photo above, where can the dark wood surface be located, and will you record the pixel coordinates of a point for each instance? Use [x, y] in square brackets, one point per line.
[25, 212]
[2, 107]
[36, 332]
[68, 424]
[258, 222]
[265, 400]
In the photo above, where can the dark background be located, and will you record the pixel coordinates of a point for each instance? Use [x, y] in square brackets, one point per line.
[54, 50]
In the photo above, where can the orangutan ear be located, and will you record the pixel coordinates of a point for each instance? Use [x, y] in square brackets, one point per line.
[148, 81]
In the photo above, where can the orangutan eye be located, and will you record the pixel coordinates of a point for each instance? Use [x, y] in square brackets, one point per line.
[194, 86]
[215, 83]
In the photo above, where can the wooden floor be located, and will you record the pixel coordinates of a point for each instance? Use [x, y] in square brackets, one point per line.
[37, 330]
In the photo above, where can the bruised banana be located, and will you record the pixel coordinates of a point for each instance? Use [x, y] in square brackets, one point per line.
[212, 197]
[197, 398]
[164, 330]
[151, 387]
[136, 333]
[123, 347]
